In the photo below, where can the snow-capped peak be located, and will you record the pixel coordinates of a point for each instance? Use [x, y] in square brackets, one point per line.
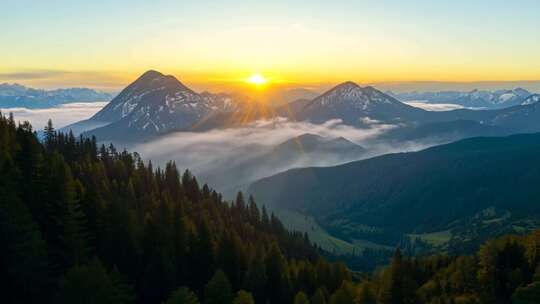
[352, 94]
[531, 99]
[160, 103]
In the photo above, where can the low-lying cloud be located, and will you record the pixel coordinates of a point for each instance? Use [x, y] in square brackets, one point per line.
[434, 106]
[215, 144]
[230, 159]
[61, 116]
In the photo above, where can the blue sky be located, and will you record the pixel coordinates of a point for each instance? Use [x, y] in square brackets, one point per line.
[296, 41]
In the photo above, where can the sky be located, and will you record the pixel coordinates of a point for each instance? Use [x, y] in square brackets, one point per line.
[215, 44]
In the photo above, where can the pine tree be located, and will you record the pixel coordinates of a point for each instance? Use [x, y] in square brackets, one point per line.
[202, 255]
[301, 298]
[277, 276]
[24, 261]
[182, 295]
[255, 280]
[243, 297]
[366, 295]
[49, 135]
[342, 296]
[65, 213]
[319, 297]
[218, 290]
[253, 210]
[92, 283]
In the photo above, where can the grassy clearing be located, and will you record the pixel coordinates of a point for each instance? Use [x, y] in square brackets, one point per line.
[317, 234]
[436, 239]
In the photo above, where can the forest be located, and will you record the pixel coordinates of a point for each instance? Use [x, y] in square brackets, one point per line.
[82, 223]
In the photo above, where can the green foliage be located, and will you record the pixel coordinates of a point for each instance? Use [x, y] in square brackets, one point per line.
[182, 295]
[467, 191]
[366, 294]
[243, 297]
[91, 284]
[344, 295]
[218, 290]
[527, 294]
[319, 297]
[78, 223]
[68, 203]
[300, 298]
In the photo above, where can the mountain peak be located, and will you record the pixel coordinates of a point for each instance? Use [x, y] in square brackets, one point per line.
[151, 74]
[521, 92]
[347, 85]
[534, 98]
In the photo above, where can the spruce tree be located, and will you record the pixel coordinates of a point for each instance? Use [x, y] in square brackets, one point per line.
[182, 295]
[243, 297]
[300, 298]
[218, 290]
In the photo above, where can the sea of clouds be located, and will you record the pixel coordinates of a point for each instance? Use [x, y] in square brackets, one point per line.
[219, 156]
[61, 116]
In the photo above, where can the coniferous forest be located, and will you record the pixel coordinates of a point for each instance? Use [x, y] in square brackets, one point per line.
[86, 224]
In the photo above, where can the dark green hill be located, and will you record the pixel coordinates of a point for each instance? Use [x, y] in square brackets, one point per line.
[467, 189]
[78, 223]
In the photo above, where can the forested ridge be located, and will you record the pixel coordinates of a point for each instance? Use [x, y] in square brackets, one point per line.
[86, 224]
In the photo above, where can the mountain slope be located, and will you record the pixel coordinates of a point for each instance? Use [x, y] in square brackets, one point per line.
[441, 188]
[154, 104]
[444, 132]
[354, 104]
[350, 102]
[108, 228]
[531, 99]
[473, 99]
[229, 175]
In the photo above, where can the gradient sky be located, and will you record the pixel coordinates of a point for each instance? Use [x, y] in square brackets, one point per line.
[107, 43]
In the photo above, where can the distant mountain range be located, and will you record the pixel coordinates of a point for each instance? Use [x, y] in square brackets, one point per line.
[461, 193]
[473, 99]
[157, 104]
[18, 96]
[381, 200]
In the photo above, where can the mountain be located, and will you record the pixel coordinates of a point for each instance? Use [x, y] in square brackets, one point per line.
[18, 96]
[293, 107]
[350, 103]
[531, 99]
[310, 143]
[444, 132]
[231, 174]
[473, 99]
[281, 97]
[461, 192]
[452, 125]
[154, 104]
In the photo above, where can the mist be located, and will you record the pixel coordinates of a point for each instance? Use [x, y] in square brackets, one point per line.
[61, 116]
[434, 106]
[230, 159]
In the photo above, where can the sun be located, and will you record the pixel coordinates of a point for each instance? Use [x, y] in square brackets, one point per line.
[257, 79]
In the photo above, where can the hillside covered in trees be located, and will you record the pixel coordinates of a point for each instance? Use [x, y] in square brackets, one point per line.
[82, 224]
[466, 192]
